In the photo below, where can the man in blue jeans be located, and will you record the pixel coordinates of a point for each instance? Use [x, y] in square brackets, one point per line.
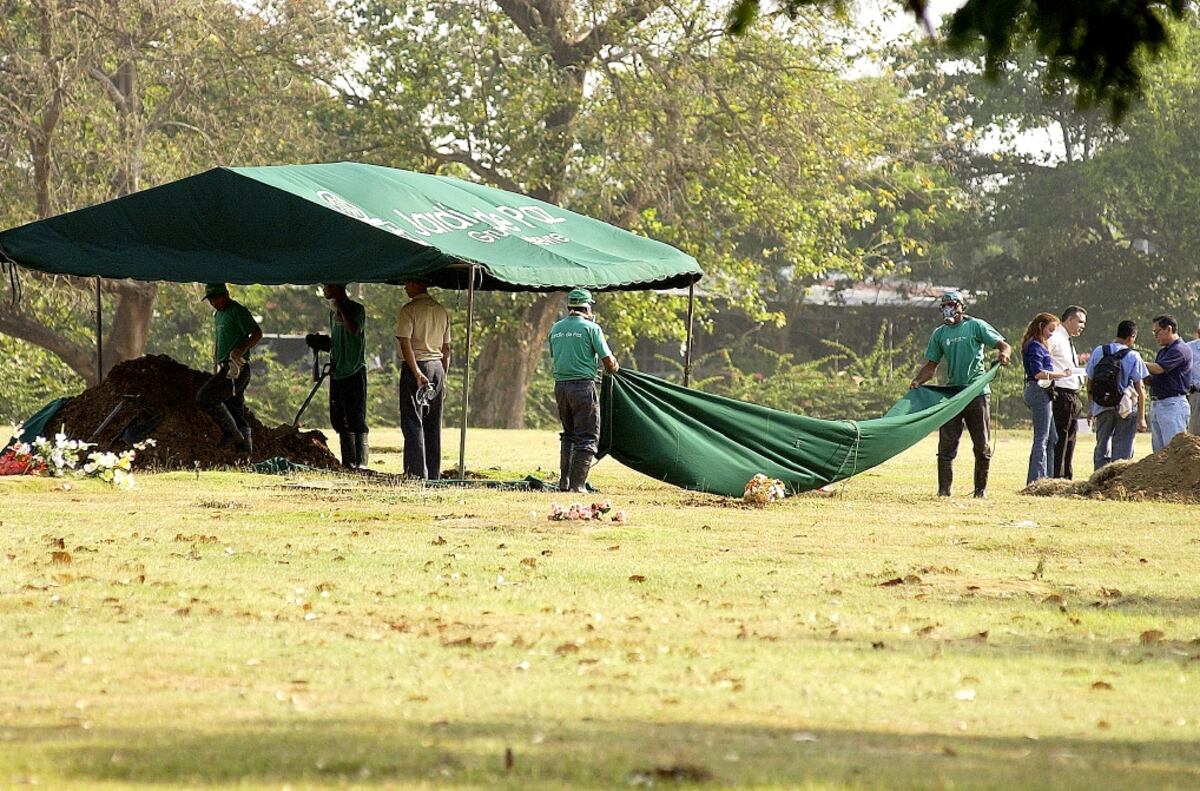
[1115, 432]
[577, 346]
[1170, 378]
[961, 341]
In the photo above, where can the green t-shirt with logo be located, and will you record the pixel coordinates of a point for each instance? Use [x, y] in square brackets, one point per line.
[233, 325]
[347, 352]
[962, 345]
[577, 345]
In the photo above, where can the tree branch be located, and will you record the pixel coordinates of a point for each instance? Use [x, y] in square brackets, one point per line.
[82, 359]
[109, 86]
[479, 169]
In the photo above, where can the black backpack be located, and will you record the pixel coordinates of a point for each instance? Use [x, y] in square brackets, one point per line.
[1105, 383]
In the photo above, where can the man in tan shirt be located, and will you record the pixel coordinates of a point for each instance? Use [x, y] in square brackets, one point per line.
[423, 330]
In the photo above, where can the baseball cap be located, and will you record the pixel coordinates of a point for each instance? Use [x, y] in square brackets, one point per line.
[952, 296]
[579, 297]
[214, 290]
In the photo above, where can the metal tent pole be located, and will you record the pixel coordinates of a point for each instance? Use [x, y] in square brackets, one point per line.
[99, 336]
[466, 364]
[687, 349]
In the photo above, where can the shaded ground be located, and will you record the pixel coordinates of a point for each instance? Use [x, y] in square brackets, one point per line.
[162, 406]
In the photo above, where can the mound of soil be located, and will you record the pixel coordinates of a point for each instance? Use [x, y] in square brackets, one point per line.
[1172, 474]
[166, 390]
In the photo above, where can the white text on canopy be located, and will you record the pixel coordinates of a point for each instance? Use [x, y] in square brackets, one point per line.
[482, 226]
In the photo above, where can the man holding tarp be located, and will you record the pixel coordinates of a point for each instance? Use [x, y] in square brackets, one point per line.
[577, 346]
[346, 344]
[224, 395]
[961, 341]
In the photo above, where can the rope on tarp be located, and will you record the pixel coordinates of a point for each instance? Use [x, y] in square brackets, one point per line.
[852, 451]
[9, 267]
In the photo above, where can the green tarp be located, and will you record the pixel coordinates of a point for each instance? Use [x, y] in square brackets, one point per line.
[343, 222]
[35, 425]
[702, 441]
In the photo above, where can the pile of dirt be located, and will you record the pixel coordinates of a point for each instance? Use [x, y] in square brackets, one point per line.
[1172, 474]
[161, 405]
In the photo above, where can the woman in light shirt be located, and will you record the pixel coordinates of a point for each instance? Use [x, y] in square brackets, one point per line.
[1039, 373]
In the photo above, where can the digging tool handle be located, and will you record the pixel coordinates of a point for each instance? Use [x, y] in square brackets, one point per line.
[324, 372]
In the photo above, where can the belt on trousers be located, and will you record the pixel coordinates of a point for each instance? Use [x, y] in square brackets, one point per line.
[1167, 398]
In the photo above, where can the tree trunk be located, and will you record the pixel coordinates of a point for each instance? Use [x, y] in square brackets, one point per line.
[506, 366]
[130, 327]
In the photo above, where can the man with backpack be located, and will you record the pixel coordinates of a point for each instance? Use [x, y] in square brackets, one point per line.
[1118, 399]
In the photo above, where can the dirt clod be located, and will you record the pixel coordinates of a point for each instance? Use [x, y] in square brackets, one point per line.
[185, 435]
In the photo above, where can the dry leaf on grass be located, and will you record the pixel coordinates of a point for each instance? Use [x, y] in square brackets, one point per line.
[1151, 636]
[636, 578]
[60, 557]
[1101, 685]
[675, 773]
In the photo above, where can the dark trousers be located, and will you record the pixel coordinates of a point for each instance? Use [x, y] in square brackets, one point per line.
[422, 426]
[579, 413]
[221, 390]
[348, 403]
[1066, 411]
[976, 417]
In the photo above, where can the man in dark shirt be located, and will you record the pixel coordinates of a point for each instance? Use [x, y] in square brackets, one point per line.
[224, 395]
[348, 373]
[1170, 377]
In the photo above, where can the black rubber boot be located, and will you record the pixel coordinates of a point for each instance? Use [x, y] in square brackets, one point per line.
[246, 446]
[362, 450]
[981, 476]
[229, 430]
[564, 467]
[349, 449]
[581, 465]
[945, 476]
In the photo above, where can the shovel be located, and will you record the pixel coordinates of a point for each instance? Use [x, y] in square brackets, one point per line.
[319, 373]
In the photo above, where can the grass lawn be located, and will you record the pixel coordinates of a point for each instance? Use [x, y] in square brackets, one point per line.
[258, 631]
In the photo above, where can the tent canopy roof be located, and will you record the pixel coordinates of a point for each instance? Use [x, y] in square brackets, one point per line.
[344, 222]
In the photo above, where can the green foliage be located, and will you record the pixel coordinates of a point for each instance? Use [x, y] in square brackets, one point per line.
[1101, 217]
[1101, 48]
[29, 377]
[843, 385]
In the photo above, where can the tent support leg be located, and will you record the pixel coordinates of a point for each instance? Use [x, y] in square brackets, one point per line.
[99, 336]
[687, 349]
[466, 391]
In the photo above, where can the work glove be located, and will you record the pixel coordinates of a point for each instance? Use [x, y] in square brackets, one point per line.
[318, 342]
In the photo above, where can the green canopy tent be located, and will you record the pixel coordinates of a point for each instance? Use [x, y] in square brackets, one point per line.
[346, 222]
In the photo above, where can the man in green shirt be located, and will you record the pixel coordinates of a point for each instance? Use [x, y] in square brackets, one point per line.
[961, 341]
[224, 395]
[346, 344]
[577, 347]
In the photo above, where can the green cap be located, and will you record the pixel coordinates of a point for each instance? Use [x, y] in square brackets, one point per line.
[952, 296]
[579, 298]
[214, 290]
